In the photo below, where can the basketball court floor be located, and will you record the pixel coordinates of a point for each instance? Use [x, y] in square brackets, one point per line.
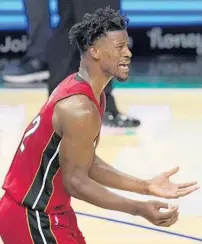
[170, 135]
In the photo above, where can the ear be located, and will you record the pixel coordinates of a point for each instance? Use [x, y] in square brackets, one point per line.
[94, 52]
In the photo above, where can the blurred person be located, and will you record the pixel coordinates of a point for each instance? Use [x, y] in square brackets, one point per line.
[33, 66]
[56, 159]
[45, 55]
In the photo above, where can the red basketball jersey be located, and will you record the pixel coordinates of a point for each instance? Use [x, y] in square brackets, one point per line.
[34, 178]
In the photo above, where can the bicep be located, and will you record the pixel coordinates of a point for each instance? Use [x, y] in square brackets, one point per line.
[80, 126]
[75, 156]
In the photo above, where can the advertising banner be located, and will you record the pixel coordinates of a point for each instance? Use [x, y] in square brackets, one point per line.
[166, 41]
[164, 26]
[156, 27]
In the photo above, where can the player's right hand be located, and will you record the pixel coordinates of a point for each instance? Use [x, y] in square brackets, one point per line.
[151, 210]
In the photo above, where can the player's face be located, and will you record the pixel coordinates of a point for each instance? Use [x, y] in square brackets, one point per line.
[114, 54]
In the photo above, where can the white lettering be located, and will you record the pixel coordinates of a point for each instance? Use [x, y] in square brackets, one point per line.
[14, 45]
[170, 41]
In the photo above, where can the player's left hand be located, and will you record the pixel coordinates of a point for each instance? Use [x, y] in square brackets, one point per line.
[161, 186]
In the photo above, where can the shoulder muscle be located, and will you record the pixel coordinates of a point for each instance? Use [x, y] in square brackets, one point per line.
[77, 116]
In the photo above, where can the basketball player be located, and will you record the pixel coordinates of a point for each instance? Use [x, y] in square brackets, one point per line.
[56, 158]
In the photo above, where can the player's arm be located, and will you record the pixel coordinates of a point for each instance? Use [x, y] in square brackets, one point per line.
[78, 122]
[106, 175]
[159, 186]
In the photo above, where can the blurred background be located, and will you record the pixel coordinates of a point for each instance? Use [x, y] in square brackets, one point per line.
[166, 38]
[153, 121]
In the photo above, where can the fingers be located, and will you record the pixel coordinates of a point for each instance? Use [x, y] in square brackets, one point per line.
[179, 193]
[162, 218]
[184, 192]
[172, 171]
[167, 219]
[162, 205]
[167, 215]
[188, 184]
[170, 222]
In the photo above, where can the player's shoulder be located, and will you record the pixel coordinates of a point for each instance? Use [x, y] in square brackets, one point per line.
[77, 113]
[76, 103]
[77, 107]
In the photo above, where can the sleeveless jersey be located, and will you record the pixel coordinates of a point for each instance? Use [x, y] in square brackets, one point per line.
[34, 178]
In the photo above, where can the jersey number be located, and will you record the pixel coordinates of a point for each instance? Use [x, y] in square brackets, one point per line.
[35, 123]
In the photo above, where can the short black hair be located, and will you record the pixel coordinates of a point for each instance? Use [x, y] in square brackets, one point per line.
[93, 26]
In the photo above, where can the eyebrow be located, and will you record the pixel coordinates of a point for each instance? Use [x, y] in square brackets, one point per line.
[122, 43]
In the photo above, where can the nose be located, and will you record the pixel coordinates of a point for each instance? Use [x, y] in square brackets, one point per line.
[128, 53]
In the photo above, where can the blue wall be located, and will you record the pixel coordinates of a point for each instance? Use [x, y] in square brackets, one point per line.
[141, 13]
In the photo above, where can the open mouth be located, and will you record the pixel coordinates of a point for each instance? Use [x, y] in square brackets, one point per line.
[124, 67]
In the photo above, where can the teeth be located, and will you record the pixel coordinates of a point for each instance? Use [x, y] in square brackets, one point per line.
[124, 67]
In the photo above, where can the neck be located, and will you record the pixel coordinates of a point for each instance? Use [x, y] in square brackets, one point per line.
[94, 76]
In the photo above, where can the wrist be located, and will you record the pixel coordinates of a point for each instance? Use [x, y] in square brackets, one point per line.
[140, 208]
[133, 207]
[146, 188]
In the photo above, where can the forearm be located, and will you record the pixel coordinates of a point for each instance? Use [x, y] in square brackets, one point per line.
[108, 176]
[90, 191]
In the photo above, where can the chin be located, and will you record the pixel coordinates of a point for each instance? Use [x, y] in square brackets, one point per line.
[122, 78]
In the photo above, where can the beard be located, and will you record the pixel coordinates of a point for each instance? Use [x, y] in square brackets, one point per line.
[122, 79]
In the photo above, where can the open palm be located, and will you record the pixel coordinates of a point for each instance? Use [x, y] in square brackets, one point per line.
[161, 186]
